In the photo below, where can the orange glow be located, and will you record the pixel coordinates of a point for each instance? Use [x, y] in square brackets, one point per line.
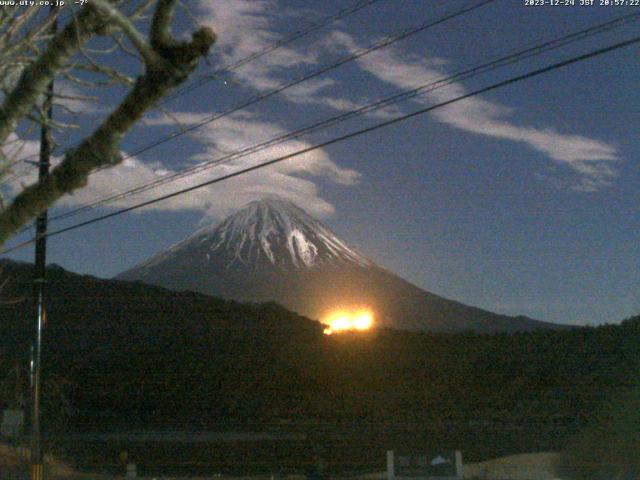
[344, 320]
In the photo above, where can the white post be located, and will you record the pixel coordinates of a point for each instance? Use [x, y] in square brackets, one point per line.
[132, 471]
[459, 468]
[390, 466]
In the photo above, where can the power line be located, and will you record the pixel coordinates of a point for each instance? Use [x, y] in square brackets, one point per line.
[270, 48]
[531, 74]
[405, 95]
[241, 62]
[389, 40]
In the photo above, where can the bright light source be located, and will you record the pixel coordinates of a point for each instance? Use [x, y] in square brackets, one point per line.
[342, 321]
[363, 321]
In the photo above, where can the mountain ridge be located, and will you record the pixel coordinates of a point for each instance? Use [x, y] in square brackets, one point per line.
[272, 250]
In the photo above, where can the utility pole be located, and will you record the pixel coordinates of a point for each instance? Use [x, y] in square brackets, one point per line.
[37, 470]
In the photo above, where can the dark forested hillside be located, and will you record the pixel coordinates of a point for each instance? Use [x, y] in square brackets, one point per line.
[140, 355]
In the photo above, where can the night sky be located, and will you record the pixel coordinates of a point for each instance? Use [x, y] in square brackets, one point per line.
[523, 200]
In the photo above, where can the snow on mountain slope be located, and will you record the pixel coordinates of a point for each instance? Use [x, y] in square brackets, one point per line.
[270, 233]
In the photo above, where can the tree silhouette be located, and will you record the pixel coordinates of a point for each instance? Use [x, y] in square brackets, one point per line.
[167, 63]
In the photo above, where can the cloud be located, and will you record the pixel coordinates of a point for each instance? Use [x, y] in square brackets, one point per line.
[294, 179]
[17, 149]
[591, 159]
[15, 156]
[238, 131]
[247, 26]
[76, 101]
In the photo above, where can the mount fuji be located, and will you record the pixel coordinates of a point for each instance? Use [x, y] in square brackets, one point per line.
[272, 250]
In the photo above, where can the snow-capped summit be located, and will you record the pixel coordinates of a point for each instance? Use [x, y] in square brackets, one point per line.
[276, 232]
[269, 233]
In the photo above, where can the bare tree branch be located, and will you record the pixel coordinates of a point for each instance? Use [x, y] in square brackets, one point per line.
[115, 17]
[168, 63]
[36, 77]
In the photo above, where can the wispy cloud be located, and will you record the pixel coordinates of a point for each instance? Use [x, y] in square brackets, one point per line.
[294, 179]
[75, 101]
[16, 149]
[246, 26]
[15, 155]
[591, 159]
